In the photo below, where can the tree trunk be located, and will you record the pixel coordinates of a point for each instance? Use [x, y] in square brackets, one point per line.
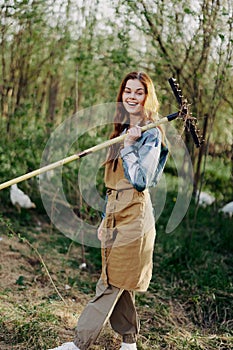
[53, 92]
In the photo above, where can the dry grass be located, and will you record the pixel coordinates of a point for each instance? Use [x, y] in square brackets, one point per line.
[32, 316]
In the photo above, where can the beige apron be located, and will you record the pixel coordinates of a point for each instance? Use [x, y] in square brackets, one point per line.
[128, 234]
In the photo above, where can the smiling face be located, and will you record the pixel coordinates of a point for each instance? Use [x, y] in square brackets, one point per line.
[134, 96]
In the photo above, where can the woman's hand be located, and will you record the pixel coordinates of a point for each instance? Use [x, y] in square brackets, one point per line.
[100, 230]
[132, 135]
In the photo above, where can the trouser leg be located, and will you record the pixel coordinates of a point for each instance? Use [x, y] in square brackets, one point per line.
[124, 319]
[96, 314]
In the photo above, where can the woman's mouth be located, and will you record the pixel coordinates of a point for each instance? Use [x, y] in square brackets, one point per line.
[132, 104]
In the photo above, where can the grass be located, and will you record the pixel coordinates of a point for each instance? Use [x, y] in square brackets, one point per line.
[188, 306]
[28, 324]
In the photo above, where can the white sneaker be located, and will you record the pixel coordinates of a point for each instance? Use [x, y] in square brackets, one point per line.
[66, 346]
[126, 346]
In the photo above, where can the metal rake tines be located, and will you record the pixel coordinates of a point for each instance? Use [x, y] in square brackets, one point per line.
[190, 125]
[189, 121]
[176, 90]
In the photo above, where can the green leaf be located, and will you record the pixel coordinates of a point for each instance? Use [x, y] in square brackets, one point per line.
[20, 281]
[188, 11]
[221, 36]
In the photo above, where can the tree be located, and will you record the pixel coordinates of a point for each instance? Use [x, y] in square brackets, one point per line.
[193, 42]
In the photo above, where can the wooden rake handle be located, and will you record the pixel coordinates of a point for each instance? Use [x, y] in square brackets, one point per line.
[90, 150]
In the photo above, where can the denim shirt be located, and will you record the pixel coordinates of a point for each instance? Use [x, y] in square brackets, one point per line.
[145, 160]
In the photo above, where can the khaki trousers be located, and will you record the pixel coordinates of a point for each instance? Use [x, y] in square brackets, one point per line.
[113, 304]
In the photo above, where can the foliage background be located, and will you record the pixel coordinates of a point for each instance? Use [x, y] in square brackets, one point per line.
[59, 57]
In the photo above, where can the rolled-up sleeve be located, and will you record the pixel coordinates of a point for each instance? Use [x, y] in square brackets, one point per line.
[140, 161]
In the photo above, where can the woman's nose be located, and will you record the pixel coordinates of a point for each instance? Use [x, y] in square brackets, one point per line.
[132, 94]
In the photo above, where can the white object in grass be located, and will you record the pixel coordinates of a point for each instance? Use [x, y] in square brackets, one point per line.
[126, 346]
[20, 199]
[227, 209]
[83, 266]
[66, 346]
[204, 199]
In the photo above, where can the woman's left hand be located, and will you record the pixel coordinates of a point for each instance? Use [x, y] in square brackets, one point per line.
[132, 135]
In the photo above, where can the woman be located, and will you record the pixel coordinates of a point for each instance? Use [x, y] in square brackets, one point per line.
[127, 231]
